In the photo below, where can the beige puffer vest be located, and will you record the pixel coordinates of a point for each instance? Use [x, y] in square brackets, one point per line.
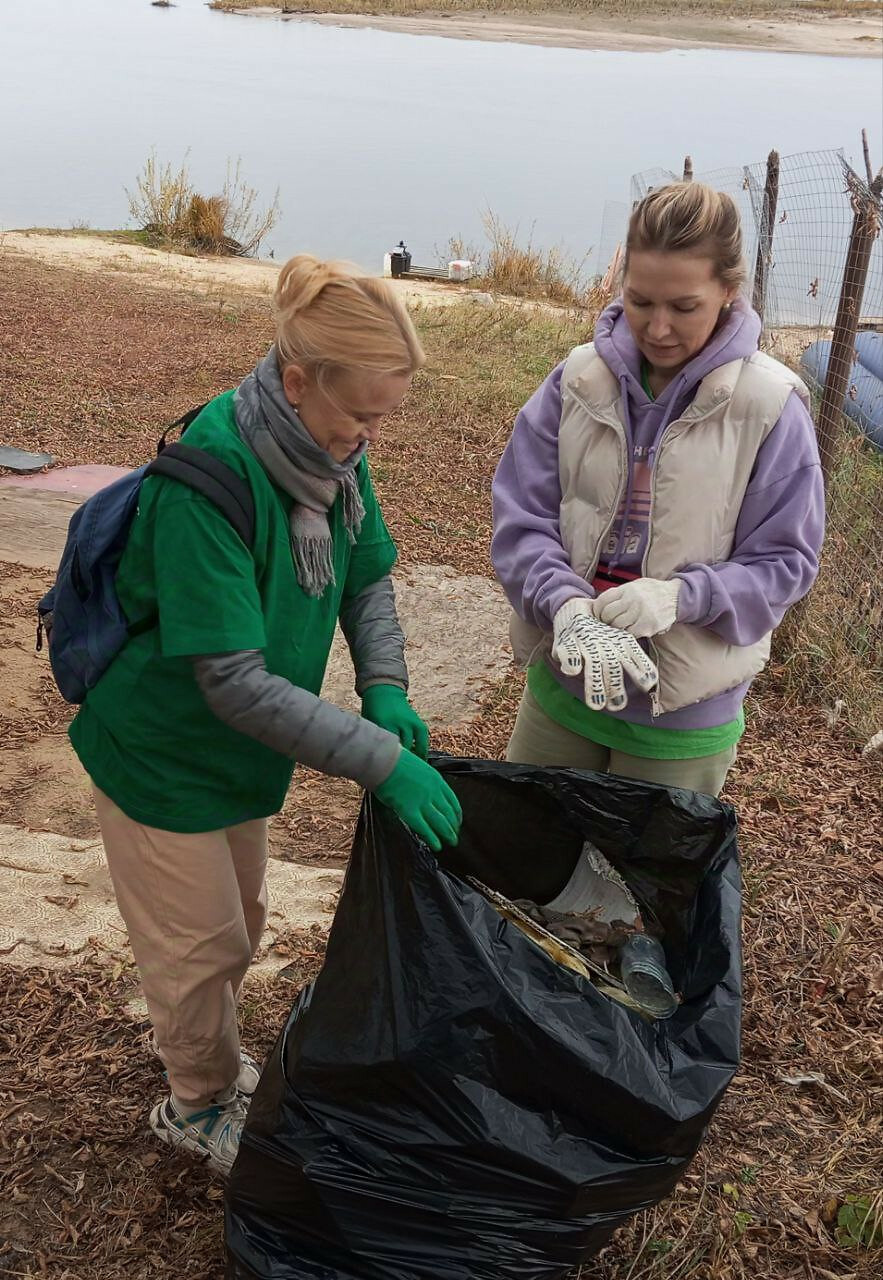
[702, 469]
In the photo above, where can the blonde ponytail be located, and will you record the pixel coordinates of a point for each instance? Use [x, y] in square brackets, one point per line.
[331, 317]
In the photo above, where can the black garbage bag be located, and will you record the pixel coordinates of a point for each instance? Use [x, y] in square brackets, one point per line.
[445, 1101]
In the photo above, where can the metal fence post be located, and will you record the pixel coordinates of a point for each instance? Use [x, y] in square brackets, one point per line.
[765, 236]
[865, 228]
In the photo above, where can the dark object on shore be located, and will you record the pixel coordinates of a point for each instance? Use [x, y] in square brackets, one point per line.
[24, 463]
[400, 261]
[402, 268]
[445, 1100]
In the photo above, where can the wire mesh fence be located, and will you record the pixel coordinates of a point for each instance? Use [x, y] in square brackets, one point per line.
[811, 228]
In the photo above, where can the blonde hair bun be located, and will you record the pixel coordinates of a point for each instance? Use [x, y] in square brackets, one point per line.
[330, 316]
[304, 277]
[690, 217]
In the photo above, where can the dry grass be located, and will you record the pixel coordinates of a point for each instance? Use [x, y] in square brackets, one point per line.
[90, 367]
[833, 644]
[433, 466]
[626, 9]
[522, 270]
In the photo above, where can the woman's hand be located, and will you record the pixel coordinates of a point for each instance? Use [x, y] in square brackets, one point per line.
[419, 795]
[645, 607]
[602, 653]
[387, 705]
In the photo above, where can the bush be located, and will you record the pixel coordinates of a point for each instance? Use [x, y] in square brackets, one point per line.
[166, 206]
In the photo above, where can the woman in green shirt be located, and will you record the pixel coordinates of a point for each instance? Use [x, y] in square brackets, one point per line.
[191, 736]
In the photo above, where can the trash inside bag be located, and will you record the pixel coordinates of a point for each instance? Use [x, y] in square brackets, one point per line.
[450, 1101]
[599, 922]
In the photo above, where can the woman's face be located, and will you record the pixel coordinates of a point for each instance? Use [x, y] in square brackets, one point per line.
[672, 304]
[350, 411]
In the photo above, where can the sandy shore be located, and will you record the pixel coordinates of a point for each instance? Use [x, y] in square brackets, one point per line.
[838, 37]
[217, 276]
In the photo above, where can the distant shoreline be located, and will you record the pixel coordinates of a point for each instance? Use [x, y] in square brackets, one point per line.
[820, 35]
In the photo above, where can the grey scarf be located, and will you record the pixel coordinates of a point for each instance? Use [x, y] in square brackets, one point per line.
[271, 428]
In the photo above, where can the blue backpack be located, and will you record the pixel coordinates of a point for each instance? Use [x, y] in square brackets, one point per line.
[81, 614]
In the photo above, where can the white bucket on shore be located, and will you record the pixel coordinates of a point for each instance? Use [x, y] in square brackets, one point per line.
[460, 269]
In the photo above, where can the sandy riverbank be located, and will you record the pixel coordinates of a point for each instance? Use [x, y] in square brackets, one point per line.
[216, 276]
[820, 34]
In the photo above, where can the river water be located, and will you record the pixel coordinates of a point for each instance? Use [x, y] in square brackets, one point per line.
[372, 135]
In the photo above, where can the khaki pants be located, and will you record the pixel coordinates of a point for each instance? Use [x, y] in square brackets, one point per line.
[538, 739]
[195, 908]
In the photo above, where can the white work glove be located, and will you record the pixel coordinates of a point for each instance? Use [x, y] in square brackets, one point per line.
[645, 607]
[583, 644]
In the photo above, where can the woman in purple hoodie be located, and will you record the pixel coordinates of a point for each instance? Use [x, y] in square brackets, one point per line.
[662, 486]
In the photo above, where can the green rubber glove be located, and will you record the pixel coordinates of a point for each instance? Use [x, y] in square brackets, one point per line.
[387, 706]
[419, 795]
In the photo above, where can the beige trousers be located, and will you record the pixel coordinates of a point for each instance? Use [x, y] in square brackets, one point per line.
[195, 908]
[538, 739]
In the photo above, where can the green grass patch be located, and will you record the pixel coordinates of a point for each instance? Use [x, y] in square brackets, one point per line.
[120, 236]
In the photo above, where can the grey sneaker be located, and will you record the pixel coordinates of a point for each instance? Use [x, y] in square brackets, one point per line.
[249, 1068]
[211, 1133]
[249, 1074]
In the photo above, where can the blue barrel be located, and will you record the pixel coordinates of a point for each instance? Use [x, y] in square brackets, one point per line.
[863, 402]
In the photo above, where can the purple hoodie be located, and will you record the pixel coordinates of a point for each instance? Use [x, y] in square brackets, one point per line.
[778, 534]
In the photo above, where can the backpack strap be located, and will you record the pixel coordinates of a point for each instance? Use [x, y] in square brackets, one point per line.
[214, 480]
[183, 422]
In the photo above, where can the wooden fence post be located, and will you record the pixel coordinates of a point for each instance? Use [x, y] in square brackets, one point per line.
[867, 154]
[765, 237]
[865, 228]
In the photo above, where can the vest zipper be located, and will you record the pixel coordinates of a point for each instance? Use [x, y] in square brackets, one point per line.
[655, 703]
[656, 708]
[616, 425]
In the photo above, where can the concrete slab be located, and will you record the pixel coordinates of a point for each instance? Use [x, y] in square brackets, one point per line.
[82, 481]
[33, 524]
[35, 511]
[456, 629]
[57, 902]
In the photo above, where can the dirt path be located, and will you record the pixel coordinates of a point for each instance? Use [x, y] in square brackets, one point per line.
[816, 34]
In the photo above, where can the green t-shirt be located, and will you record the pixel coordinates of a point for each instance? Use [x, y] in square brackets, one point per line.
[145, 733]
[649, 741]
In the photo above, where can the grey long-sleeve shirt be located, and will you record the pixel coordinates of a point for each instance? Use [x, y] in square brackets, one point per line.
[241, 691]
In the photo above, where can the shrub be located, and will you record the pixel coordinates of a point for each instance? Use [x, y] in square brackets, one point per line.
[166, 206]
